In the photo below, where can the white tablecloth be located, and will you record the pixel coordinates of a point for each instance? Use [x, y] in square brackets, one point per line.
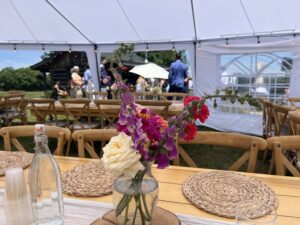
[79, 212]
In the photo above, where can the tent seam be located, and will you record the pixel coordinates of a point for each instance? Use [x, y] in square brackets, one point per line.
[68, 21]
[129, 21]
[247, 16]
[23, 20]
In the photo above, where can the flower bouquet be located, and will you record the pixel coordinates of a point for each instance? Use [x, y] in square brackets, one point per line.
[145, 138]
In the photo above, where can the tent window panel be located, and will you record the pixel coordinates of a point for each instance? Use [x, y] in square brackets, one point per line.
[263, 75]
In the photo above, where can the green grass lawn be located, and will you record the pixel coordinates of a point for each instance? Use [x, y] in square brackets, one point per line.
[204, 156]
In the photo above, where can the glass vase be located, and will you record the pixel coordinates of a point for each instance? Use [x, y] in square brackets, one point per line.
[134, 199]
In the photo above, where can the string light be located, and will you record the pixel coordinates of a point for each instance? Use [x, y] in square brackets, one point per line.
[258, 40]
[226, 42]
[294, 41]
[43, 48]
[173, 48]
[95, 49]
[70, 49]
[15, 48]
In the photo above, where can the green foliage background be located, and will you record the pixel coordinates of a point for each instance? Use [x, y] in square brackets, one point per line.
[22, 79]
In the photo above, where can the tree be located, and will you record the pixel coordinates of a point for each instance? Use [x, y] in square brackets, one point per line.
[21, 79]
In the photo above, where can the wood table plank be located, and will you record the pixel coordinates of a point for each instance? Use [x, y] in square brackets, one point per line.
[171, 197]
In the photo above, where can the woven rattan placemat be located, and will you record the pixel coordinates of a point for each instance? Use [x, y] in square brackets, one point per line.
[218, 193]
[14, 159]
[88, 180]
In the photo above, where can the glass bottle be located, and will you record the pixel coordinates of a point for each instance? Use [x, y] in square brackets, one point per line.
[45, 183]
[134, 199]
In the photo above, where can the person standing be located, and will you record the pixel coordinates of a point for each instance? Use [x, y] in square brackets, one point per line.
[76, 83]
[178, 75]
[88, 82]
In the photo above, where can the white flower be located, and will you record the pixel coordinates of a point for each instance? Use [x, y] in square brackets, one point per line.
[120, 157]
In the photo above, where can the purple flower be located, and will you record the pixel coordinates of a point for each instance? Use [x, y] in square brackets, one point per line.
[162, 160]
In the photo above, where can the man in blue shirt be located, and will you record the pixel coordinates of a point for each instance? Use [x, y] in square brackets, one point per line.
[178, 75]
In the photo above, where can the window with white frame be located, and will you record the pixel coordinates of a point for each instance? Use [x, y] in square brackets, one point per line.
[264, 75]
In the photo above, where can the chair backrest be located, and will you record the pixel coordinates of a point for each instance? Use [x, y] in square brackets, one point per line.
[293, 101]
[48, 103]
[248, 143]
[172, 96]
[280, 145]
[294, 119]
[11, 134]
[100, 95]
[280, 118]
[268, 119]
[16, 92]
[109, 110]
[84, 138]
[159, 107]
[75, 110]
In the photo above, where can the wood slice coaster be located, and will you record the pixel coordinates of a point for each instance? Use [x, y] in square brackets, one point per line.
[160, 217]
[14, 159]
[88, 180]
[218, 193]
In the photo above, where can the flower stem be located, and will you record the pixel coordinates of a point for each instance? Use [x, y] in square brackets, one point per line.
[135, 211]
[141, 211]
[126, 214]
[147, 216]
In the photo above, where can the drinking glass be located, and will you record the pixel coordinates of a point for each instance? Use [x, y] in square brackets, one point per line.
[246, 209]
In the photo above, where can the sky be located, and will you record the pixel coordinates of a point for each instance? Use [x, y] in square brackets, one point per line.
[19, 58]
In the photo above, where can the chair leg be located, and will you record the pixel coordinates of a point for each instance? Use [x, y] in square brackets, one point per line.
[272, 165]
[68, 148]
[265, 155]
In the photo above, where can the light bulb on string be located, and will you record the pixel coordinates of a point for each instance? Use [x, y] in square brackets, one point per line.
[226, 42]
[70, 49]
[258, 40]
[294, 41]
[43, 48]
[96, 49]
[15, 48]
[173, 49]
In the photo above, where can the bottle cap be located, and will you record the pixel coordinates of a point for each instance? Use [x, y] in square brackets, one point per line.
[40, 134]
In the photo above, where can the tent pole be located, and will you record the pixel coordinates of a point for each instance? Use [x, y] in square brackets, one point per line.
[97, 65]
[195, 40]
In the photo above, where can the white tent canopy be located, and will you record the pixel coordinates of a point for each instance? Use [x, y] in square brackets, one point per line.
[206, 28]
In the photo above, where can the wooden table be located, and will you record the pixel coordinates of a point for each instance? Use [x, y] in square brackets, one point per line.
[171, 197]
[175, 108]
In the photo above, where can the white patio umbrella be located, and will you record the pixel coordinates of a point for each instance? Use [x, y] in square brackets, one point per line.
[150, 70]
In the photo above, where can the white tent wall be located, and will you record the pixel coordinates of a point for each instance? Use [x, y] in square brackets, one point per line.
[208, 77]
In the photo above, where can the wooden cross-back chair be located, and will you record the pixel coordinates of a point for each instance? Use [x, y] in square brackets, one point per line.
[159, 107]
[172, 96]
[100, 95]
[268, 119]
[78, 115]
[15, 108]
[49, 105]
[250, 144]
[11, 134]
[280, 119]
[109, 111]
[281, 126]
[280, 145]
[294, 119]
[86, 138]
[293, 101]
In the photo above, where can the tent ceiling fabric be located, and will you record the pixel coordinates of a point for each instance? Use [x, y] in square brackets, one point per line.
[115, 21]
[35, 21]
